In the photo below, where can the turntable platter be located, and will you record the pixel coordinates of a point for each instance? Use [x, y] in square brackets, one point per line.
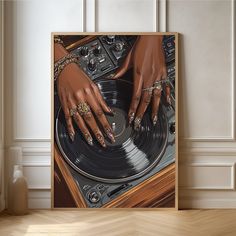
[132, 155]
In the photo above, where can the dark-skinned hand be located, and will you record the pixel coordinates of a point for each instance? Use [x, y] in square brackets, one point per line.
[75, 88]
[148, 61]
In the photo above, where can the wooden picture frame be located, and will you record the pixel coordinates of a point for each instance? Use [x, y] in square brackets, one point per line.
[128, 199]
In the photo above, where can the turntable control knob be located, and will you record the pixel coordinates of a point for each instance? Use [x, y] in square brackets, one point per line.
[119, 46]
[97, 50]
[110, 39]
[84, 51]
[94, 196]
[92, 64]
[172, 128]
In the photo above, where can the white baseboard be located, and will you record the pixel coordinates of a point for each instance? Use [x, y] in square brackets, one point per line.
[45, 203]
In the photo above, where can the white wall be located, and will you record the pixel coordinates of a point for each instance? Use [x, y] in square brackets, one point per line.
[207, 103]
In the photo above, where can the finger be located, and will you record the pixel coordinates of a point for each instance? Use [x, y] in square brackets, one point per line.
[126, 65]
[89, 120]
[145, 100]
[102, 102]
[137, 90]
[167, 88]
[68, 118]
[83, 128]
[80, 122]
[96, 108]
[155, 104]
[164, 74]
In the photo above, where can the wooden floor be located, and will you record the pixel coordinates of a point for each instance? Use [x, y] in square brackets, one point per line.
[121, 222]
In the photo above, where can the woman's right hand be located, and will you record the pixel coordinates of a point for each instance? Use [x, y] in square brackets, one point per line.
[149, 68]
[82, 101]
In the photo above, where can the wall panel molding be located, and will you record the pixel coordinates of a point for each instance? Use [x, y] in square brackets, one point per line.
[214, 147]
[162, 15]
[154, 9]
[206, 203]
[36, 151]
[30, 140]
[38, 177]
[206, 176]
[159, 12]
[39, 199]
[83, 15]
[36, 157]
[90, 15]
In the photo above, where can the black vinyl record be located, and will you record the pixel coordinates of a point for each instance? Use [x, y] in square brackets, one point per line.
[132, 155]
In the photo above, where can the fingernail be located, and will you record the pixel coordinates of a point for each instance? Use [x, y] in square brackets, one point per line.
[110, 135]
[131, 117]
[72, 136]
[137, 123]
[101, 140]
[89, 139]
[111, 111]
[154, 120]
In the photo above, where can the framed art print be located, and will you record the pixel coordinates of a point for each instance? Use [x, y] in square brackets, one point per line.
[115, 112]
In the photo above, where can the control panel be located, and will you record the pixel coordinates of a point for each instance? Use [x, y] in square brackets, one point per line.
[103, 54]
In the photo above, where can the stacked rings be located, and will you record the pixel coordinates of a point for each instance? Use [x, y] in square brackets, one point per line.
[156, 85]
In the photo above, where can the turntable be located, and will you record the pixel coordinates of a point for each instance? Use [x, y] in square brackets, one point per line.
[138, 170]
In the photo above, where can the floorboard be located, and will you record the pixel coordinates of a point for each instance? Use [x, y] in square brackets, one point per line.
[120, 222]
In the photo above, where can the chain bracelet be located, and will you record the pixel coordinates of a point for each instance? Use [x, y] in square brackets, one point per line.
[62, 63]
[58, 40]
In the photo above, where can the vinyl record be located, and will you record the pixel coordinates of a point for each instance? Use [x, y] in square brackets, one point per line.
[132, 155]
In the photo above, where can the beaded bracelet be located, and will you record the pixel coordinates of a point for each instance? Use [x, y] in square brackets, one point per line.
[62, 63]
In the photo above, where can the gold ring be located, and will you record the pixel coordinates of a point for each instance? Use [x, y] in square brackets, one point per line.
[158, 85]
[73, 111]
[149, 90]
[83, 108]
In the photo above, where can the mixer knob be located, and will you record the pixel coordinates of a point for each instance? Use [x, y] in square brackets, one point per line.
[97, 50]
[94, 196]
[110, 39]
[84, 51]
[119, 46]
[92, 64]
